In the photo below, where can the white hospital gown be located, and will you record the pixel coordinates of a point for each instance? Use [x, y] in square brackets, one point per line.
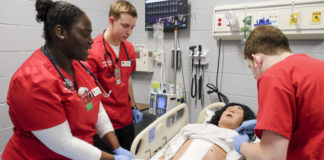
[209, 132]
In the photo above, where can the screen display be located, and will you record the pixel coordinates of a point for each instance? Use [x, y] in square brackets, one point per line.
[161, 101]
[166, 11]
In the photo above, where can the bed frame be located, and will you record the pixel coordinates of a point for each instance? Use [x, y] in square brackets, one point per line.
[150, 140]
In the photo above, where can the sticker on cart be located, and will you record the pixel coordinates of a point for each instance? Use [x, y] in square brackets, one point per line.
[151, 135]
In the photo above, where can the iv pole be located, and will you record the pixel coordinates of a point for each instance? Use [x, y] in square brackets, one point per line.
[175, 49]
[176, 19]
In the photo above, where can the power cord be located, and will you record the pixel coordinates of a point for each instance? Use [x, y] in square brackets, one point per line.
[221, 96]
[214, 88]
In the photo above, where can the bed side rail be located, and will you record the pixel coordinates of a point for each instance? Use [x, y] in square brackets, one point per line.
[150, 140]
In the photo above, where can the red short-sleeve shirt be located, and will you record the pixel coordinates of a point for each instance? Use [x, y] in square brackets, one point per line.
[38, 100]
[117, 105]
[291, 103]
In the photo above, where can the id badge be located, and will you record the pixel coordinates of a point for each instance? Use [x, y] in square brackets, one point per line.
[86, 97]
[96, 91]
[117, 76]
[125, 63]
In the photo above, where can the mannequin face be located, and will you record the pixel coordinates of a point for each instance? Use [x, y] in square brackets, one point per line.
[122, 28]
[232, 117]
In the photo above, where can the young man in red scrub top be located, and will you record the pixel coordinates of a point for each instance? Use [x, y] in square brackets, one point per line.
[112, 59]
[54, 103]
[290, 95]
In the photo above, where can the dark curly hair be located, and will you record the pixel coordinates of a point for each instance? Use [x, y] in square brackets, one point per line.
[53, 13]
[248, 113]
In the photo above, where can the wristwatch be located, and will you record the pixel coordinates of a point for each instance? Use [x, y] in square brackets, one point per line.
[135, 107]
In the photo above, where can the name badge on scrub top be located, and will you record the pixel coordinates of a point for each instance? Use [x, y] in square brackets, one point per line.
[86, 97]
[96, 91]
[117, 76]
[126, 63]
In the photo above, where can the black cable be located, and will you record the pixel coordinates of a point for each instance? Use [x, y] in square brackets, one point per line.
[221, 96]
[200, 73]
[194, 86]
[194, 77]
[200, 88]
[219, 52]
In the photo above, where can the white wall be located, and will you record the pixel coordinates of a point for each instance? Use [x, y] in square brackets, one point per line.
[20, 35]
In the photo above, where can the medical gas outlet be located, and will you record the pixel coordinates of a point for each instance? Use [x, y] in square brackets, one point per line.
[230, 19]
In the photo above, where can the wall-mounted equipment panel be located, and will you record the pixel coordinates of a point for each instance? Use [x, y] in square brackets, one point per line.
[144, 59]
[298, 19]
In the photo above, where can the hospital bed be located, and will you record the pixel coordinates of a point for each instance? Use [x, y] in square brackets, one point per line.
[150, 140]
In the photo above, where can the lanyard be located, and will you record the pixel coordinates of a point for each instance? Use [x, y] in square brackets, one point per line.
[110, 56]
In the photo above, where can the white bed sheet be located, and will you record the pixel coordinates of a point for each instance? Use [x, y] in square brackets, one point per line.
[209, 132]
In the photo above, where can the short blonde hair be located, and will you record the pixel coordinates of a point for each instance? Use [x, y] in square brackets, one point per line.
[122, 6]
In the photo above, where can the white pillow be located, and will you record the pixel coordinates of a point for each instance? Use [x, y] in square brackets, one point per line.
[209, 115]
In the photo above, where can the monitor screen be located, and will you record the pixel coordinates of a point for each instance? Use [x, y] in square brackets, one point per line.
[161, 101]
[166, 11]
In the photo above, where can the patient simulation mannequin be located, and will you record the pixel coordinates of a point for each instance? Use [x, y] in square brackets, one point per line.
[227, 119]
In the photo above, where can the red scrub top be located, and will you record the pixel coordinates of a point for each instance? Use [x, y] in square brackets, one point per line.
[291, 103]
[38, 100]
[118, 104]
